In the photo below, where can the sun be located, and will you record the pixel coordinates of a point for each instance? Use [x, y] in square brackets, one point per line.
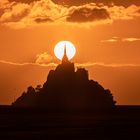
[59, 49]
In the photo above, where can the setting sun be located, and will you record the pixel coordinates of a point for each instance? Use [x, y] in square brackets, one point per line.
[59, 49]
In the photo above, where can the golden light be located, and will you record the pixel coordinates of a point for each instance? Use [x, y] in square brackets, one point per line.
[59, 49]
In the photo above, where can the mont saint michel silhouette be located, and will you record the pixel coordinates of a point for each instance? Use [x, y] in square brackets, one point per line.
[67, 88]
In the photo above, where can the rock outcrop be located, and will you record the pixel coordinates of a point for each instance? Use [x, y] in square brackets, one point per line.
[67, 89]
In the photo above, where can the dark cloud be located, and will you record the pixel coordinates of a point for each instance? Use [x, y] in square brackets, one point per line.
[23, 1]
[20, 14]
[1, 12]
[125, 3]
[81, 2]
[87, 15]
[43, 20]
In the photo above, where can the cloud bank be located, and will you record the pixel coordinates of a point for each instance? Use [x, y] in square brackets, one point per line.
[43, 12]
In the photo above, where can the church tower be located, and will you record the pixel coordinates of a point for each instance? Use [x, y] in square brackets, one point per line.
[66, 66]
[65, 58]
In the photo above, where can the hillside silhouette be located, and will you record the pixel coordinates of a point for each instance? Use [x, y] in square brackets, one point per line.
[67, 89]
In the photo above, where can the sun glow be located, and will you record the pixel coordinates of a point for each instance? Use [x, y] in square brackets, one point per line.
[59, 49]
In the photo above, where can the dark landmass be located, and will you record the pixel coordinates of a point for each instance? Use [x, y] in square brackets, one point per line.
[24, 123]
[67, 89]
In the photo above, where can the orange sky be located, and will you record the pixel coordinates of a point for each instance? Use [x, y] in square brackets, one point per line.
[106, 33]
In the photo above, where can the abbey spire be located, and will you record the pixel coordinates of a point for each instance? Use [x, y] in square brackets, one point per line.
[65, 58]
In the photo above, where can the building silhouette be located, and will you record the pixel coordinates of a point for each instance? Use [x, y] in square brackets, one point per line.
[67, 89]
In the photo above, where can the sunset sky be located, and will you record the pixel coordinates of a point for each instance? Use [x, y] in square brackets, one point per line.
[106, 34]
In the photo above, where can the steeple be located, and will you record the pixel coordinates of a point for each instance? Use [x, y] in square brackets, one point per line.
[65, 58]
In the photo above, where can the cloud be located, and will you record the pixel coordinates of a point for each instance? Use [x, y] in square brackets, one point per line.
[43, 20]
[124, 13]
[125, 3]
[87, 14]
[19, 14]
[116, 39]
[131, 39]
[23, 1]
[110, 40]
[43, 58]
[3, 2]
[78, 65]
[51, 64]
[90, 64]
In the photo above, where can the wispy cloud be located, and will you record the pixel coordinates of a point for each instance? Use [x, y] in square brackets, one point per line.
[109, 40]
[131, 39]
[44, 12]
[78, 65]
[28, 63]
[118, 39]
[90, 64]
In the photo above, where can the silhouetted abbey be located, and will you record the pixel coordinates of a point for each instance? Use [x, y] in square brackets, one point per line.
[67, 89]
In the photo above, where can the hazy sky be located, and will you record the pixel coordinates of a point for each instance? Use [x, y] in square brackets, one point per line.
[105, 32]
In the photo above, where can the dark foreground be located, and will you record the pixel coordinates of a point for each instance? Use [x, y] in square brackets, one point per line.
[22, 124]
